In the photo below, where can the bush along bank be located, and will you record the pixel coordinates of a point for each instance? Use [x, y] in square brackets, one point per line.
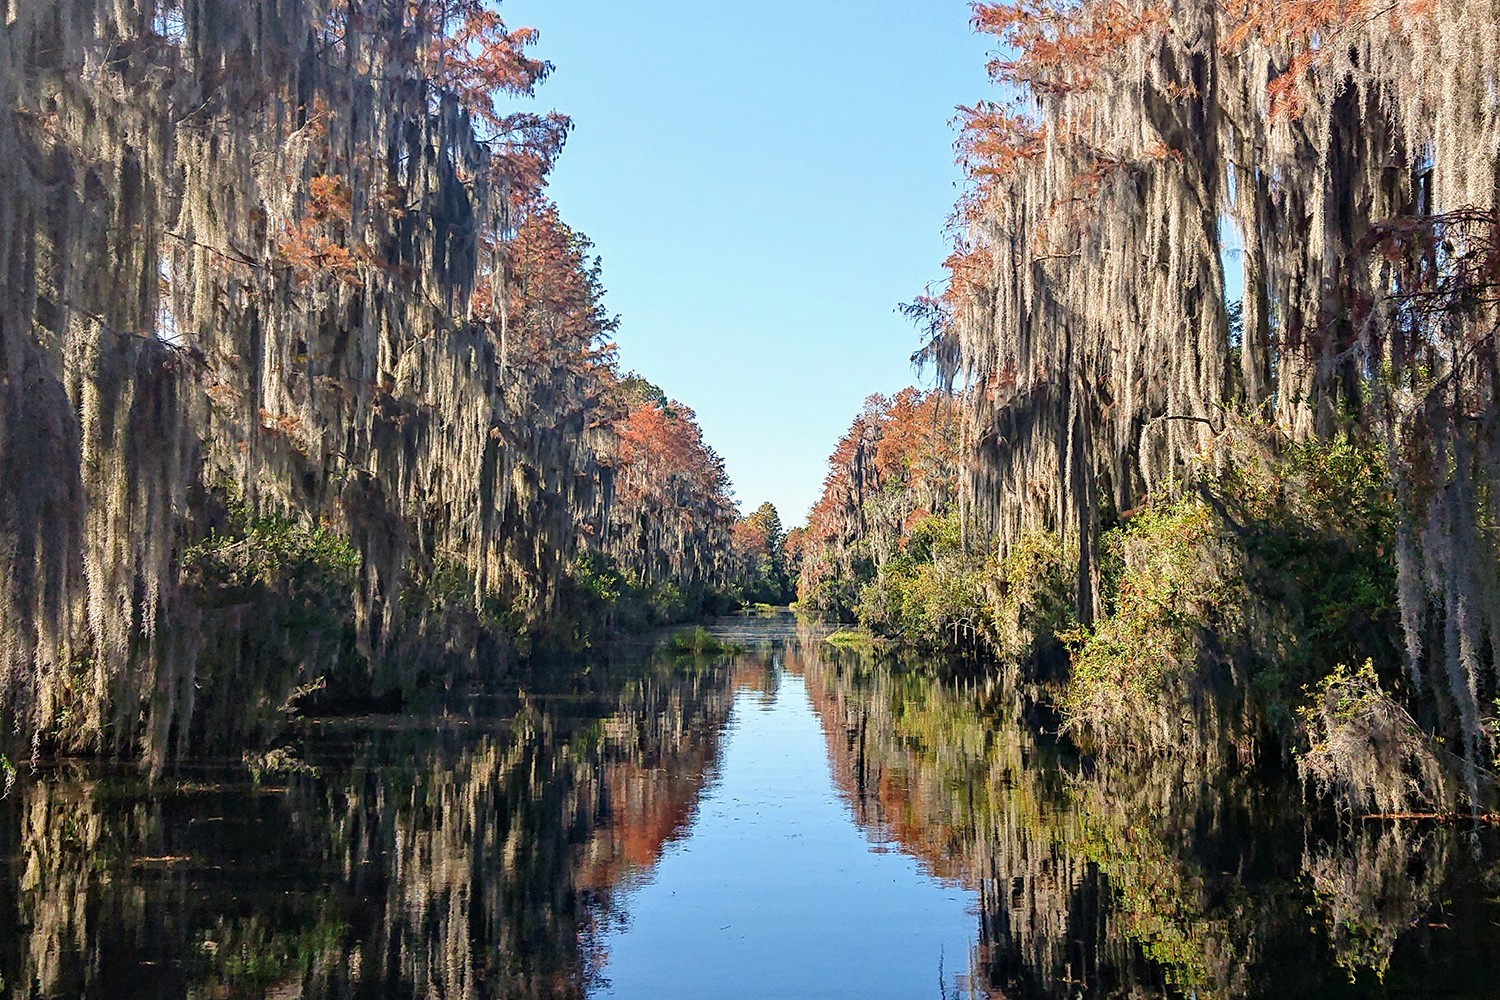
[1246, 613]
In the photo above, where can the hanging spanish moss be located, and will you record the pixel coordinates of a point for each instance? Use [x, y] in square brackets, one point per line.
[1344, 156]
[283, 302]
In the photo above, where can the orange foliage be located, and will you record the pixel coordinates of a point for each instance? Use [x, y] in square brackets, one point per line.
[748, 540]
[554, 306]
[795, 545]
[673, 512]
[913, 443]
[969, 269]
[1061, 47]
[906, 446]
[473, 56]
[992, 142]
[317, 244]
[663, 452]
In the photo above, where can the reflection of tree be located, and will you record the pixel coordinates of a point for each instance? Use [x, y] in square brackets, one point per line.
[951, 774]
[454, 857]
[476, 855]
[1373, 884]
[1156, 880]
[659, 752]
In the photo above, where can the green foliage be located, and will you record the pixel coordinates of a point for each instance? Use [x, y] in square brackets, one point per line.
[1340, 697]
[283, 587]
[1169, 585]
[851, 639]
[598, 576]
[600, 599]
[272, 550]
[635, 388]
[1258, 577]
[1175, 584]
[761, 544]
[1035, 602]
[699, 642]
[1323, 543]
[7, 776]
[836, 598]
[1318, 540]
[932, 592]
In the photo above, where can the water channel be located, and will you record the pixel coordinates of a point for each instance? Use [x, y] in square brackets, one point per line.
[793, 820]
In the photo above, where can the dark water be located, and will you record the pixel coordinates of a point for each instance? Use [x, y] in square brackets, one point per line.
[794, 821]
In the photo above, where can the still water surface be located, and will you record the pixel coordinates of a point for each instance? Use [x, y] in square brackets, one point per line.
[792, 821]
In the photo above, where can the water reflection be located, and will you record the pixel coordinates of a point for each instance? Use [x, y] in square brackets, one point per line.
[795, 820]
[777, 894]
[449, 856]
[1161, 882]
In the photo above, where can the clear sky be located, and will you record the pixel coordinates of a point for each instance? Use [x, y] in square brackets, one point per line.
[765, 182]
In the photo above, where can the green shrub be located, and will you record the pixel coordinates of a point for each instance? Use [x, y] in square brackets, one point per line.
[274, 550]
[930, 594]
[1178, 582]
[699, 641]
[1230, 596]
[1034, 602]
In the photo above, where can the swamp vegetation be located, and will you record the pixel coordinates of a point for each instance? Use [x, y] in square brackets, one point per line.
[1217, 459]
[1177, 655]
[307, 391]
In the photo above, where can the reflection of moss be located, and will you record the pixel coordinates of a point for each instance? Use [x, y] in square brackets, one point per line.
[1160, 907]
[960, 776]
[247, 958]
[279, 762]
[1373, 885]
[586, 741]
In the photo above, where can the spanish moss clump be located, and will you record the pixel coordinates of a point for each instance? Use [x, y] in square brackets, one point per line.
[1367, 752]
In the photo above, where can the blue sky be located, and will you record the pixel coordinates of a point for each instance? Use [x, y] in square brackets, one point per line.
[765, 183]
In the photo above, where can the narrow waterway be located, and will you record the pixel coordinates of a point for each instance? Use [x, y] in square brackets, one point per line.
[793, 820]
[777, 890]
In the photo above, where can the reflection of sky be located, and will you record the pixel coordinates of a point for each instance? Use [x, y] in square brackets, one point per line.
[776, 893]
